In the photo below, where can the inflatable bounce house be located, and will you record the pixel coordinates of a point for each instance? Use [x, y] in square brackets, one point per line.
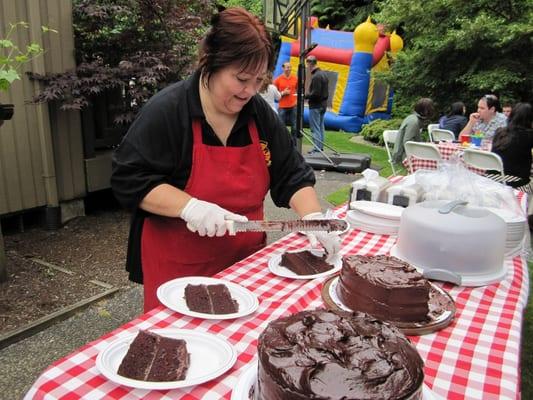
[349, 58]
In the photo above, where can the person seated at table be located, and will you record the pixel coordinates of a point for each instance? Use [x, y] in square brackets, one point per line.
[204, 151]
[411, 127]
[487, 118]
[514, 143]
[506, 109]
[455, 120]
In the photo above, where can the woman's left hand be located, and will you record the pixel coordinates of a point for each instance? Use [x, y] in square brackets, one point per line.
[331, 242]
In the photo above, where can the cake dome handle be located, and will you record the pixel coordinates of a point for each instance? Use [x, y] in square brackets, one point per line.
[447, 208]
[442, 275]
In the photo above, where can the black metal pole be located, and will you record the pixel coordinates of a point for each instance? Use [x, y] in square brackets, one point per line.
[300, 106]
[304, 16]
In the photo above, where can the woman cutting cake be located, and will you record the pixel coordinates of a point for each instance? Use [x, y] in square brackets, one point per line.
[204, 151]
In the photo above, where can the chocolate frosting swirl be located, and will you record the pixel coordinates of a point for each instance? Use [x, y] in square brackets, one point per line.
[324, 354]
[384, 271]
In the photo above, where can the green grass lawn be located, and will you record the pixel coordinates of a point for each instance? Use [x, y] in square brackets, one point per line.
[341, 142]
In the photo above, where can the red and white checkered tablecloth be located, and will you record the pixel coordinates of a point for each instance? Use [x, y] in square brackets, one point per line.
[476, 357]
[446, 150]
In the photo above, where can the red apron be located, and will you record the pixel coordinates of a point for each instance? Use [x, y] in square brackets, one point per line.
[235, 178]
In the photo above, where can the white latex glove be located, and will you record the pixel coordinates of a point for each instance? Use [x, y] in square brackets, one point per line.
[208, 218]
[331, 242]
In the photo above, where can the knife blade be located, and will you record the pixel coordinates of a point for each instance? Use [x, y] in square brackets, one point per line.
[328, 225]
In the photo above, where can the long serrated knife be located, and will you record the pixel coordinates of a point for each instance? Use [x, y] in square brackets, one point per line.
[328, 225]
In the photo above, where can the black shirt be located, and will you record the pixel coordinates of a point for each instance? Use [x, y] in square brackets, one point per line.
[318, 89]
[516, 155]
[158, 149]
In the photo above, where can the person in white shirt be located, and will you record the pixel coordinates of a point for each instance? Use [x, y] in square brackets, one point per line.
[269, 92]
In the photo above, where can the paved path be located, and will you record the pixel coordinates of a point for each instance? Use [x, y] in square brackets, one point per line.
[22, 362]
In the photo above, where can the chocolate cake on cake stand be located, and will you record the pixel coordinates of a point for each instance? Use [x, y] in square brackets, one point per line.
[441, 309]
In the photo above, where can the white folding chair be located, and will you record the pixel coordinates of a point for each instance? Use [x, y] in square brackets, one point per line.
[444, 135]
[424, 151]
[483, 160]
[430, 131]
[389, 137]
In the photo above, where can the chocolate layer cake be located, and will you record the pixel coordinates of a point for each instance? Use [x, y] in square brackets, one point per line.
[304, 263]
[336, 355]
[156, 358]
[210, 299]
[384, 287]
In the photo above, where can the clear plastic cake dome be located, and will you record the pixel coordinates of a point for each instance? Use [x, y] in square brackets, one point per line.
[454, 242]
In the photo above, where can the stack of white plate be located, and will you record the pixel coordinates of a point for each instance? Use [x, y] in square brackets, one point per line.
[516, 230]
[374, 217]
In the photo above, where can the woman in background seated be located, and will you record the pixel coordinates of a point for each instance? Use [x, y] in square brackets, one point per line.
[455, 120]
[411, 127]
[487, 118]
[514, 143]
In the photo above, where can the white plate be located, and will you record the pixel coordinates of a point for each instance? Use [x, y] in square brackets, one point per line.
[248, 377]
[356, 217]
[210, 357]
[172, 295]
[378, 230]
[276, 269]
[383, 210]
[508, 216]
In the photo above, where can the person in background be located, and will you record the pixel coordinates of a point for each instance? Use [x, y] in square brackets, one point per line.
[514, 142]
[506, 109]
[287, 85]
[317, 97]
[455, 120]
[487, 118]
[269, 92]
[205, 151]
[411, 127]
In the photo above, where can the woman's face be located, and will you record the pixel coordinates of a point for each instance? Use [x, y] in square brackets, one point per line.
[231, 87]
[485, 114]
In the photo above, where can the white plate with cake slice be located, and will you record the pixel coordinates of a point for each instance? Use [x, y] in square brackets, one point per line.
[274, 265]
[172, 295]
[210, 356]
[248, 377]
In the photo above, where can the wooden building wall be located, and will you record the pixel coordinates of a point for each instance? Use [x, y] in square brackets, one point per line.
[41, 147]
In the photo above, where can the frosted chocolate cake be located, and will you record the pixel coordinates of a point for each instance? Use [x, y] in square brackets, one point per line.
[385, 287]
[336, 355]
[210, 299]
[305, 263]
[152, 357]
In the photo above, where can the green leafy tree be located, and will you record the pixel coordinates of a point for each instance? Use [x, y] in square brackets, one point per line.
[343, 15]
[130, 47]
[457, 50]
[254, 6]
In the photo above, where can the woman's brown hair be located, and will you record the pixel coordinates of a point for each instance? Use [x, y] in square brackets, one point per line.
[424, 107]
[236, 36]
[267, 80]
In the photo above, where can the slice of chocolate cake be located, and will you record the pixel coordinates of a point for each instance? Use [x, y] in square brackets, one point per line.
[385, 287]
[304, 263]
[210, 299]
[155, 358]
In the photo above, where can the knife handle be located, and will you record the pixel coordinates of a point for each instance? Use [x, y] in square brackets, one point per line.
[230, 225]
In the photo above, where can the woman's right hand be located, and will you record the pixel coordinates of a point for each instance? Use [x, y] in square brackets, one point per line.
[207, 218]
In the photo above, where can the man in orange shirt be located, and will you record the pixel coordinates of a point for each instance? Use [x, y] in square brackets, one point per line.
[287, 85]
